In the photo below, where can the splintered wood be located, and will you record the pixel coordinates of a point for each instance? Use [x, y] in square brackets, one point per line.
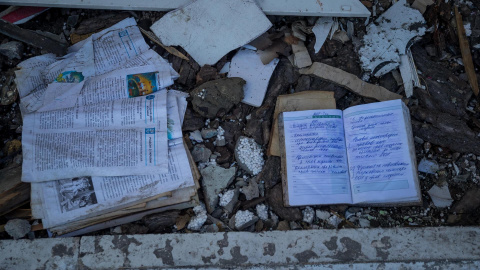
[349, 81]
[466, 55]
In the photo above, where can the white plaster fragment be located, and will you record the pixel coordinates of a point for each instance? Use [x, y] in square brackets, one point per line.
[321, 30]
[209, 29]
[390, 37]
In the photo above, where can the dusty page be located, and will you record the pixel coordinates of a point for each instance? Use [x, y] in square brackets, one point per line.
[70, 199]
[316, 158]
[118, 84]
[378, 153]
[122, 137]
[306, 100]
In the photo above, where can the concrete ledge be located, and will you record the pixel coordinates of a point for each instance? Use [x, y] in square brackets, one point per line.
[60, 253]
[417, 248]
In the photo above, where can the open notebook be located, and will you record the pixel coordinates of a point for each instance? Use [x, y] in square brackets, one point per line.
[362, 155]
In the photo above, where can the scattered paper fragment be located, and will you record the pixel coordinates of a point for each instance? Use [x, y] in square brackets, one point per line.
[247, 65]
[209, 29]
[409, 73]
[466, 54]
[440, 196]
[321, 30]
[389, 37]
[349, 81]
[428, 166]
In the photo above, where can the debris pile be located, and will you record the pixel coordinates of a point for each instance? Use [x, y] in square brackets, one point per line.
[230, 72]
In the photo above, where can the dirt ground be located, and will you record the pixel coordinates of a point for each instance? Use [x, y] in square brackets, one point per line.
[445, 118]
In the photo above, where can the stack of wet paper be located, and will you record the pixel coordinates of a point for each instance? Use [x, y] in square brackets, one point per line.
[102, 139]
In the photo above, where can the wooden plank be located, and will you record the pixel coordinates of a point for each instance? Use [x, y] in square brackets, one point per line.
[32, 38]
[466, 54]
[13, 192]
[327, 8]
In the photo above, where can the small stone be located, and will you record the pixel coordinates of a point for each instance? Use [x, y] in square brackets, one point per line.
[364, 223]
[117, 230]
[428, 166]
[418, 140]
[12, 49]
[308, 215]
[159, 222]
[294, 226]
[208, 133]
[334, 220]
[212, 228]
[17, 228]
[196, 136]
[215, 180]
[72, 20]
[224, 155]
[283, 226]
[440, 196]
[322, 215]
[191, 121]
[251, 191]
[200, 153]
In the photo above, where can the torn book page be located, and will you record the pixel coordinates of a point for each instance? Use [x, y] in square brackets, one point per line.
[247, 65]
[29, 76]
[209, 29]
[71, 199]
[389, 37]
[349, 81]
[321, 30]
[181, 102]
[115, 138]
[116, 45]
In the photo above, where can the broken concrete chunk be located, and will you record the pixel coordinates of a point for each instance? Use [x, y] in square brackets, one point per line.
[208, 133]
[215, 180]
[389, 37]
[249, 155]
[17, 228]
[12, 49]
[200, 153]
[428, 166]
[440, 196]
[209, 29]
[247, 65]
[196, 136]
[251, 191]
[322, 214]
[212, 96]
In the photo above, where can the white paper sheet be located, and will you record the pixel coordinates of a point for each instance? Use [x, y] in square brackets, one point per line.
[247, 65]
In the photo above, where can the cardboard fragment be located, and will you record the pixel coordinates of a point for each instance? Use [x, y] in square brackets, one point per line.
[272, 52]
[466, 54]
[301, 101]
[349, 81]
[421, 5]
[209, 29]
[301, 57]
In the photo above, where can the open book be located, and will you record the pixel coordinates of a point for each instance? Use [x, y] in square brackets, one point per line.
[363, 155]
